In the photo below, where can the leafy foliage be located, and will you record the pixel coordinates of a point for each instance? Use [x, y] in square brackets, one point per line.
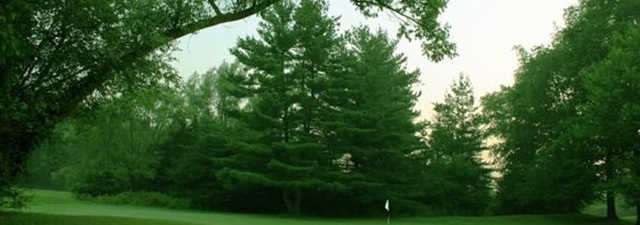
[557, 151]
[115, 151]
[612, 86]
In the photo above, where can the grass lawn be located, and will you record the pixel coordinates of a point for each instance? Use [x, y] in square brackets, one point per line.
[58, 208]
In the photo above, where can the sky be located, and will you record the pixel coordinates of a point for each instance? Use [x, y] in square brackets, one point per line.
[485, 33]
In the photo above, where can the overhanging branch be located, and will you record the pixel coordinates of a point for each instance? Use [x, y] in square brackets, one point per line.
[219, 19]
[383, 5]
[215, 7]
[85, 87]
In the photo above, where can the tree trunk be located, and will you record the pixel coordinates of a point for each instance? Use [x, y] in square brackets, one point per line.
[638, 213]
[285, 198]
[611, 198]
[292, 200]
[611, 206]
[14, 150]
[297, 200]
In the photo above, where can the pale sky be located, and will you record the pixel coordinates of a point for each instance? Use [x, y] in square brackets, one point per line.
[485, 32]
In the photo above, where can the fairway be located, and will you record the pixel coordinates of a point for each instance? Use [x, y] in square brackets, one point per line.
[57, 208]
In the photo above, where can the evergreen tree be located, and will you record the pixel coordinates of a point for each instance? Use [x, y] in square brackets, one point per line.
[455, 130]
[455, 142]
[207, 135]
[372, 120]
[287, 75]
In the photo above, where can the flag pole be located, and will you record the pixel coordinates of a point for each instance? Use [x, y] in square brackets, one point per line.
[388, 209]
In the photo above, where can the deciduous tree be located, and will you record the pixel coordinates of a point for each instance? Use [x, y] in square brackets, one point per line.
[544, 122]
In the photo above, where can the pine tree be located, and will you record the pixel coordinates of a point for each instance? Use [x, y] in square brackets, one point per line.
[372, 117]
[455, 142]
[287, 72]
[455, 130]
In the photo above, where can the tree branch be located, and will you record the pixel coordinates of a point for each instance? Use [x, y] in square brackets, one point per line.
[386, 6]
[85, 87]
[218, 19]
[215, 7]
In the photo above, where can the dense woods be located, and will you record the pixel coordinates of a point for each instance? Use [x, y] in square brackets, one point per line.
[312, 120]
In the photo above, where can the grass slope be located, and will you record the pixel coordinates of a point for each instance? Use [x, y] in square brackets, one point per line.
[58, 208]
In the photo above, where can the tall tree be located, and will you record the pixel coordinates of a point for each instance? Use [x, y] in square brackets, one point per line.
[287, 73]
[456, 127]
[371, 118]
[612, 115]
[545, 125]
[455, 142]
[535, 138]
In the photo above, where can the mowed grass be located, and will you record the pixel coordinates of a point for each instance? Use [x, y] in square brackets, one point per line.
[58, 208]
[50, 219]
[625, 212]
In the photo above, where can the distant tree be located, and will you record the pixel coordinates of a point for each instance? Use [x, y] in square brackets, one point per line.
[116, 148]
[455, 142]
[58, 55]
[230, 97]
[50, 156]
[456, 127]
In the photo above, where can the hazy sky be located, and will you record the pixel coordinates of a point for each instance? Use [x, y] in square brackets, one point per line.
[485, 31]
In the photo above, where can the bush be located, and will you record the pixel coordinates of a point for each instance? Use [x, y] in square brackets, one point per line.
[96, 183]
[140, 198]
[12, 197]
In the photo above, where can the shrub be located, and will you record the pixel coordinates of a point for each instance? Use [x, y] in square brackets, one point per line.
[12, 197]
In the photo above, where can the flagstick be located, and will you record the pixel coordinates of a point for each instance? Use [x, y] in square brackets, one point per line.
[388, 209]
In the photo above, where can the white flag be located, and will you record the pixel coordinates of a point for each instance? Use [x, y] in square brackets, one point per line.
[386, 206]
